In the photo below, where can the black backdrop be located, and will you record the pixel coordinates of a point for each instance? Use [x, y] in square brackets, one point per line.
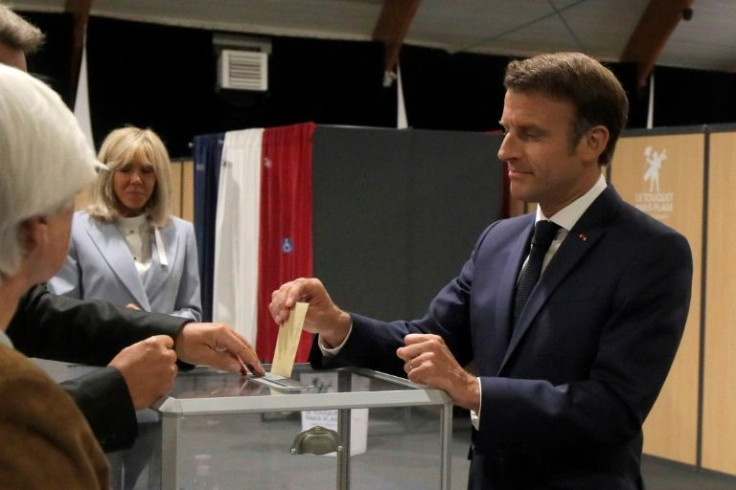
[164, 77]
[396, 213]
[53, 62]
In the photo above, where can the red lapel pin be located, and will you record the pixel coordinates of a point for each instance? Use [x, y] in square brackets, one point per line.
[583, 237]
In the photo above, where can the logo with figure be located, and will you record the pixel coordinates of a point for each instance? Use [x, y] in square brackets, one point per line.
[654, 161]
[653, 201]
[287, 246]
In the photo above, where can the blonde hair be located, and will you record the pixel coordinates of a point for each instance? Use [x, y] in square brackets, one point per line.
[44, 159]
[120, 147]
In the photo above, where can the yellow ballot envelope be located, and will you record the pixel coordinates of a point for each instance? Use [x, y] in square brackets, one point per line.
[288, 340]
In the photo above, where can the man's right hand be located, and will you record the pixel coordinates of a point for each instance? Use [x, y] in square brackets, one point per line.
[149, 369]
[323, 316]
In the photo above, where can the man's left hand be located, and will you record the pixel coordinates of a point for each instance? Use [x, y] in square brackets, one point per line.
[428, 361]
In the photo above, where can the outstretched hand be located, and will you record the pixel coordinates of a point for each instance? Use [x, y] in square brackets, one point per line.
[217, 345]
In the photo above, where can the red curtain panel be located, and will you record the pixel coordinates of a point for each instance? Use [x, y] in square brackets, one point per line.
[285, 244]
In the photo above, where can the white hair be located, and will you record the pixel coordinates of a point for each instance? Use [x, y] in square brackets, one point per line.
[44, 159]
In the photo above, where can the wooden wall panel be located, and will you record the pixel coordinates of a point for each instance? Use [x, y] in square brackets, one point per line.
[672, 193]
[187, 190]
[182, 189]
[176, 187]
[719, 396]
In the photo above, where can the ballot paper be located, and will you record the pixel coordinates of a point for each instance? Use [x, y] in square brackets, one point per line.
[288, 340]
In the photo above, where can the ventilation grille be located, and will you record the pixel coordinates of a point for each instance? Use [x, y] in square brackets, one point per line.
[243, 70]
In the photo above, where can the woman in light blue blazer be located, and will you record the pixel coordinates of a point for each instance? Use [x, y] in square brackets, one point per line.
[126, 248]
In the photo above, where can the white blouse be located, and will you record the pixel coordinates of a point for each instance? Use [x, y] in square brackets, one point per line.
[137, 234]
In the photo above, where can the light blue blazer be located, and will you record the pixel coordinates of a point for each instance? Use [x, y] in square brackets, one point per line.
[100, 266]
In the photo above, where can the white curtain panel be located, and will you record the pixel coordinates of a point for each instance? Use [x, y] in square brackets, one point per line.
[236, 233]
[81, 102]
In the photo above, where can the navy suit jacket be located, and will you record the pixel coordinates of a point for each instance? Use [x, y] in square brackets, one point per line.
[563, 397]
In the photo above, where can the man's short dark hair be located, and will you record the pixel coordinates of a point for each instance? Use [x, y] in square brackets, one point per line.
[596, 94]
[18, 33]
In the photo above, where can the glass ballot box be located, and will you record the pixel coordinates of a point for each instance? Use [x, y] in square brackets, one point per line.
[343, 428]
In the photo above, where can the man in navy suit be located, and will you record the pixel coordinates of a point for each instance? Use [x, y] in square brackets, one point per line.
[562, 391]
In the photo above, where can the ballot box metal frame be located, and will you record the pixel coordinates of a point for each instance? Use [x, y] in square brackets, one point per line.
[407, 394]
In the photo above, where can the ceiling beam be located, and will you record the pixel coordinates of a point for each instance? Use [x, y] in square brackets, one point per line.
[80, 11]
[392, 27]
[655, 27]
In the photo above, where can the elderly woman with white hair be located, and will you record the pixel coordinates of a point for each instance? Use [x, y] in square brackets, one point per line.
[126, 248]
[44, 161]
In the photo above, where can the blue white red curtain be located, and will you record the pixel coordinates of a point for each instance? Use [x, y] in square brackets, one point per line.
[263, 227]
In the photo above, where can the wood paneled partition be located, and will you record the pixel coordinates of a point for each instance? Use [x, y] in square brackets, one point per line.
[182, 189]
[719, 393]
[663, 176]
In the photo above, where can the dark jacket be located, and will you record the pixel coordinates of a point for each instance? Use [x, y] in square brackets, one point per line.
[54, 327]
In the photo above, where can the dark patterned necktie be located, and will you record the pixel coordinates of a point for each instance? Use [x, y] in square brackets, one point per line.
[544, 233]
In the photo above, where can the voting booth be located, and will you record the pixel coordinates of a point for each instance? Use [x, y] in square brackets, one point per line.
[222, 430]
